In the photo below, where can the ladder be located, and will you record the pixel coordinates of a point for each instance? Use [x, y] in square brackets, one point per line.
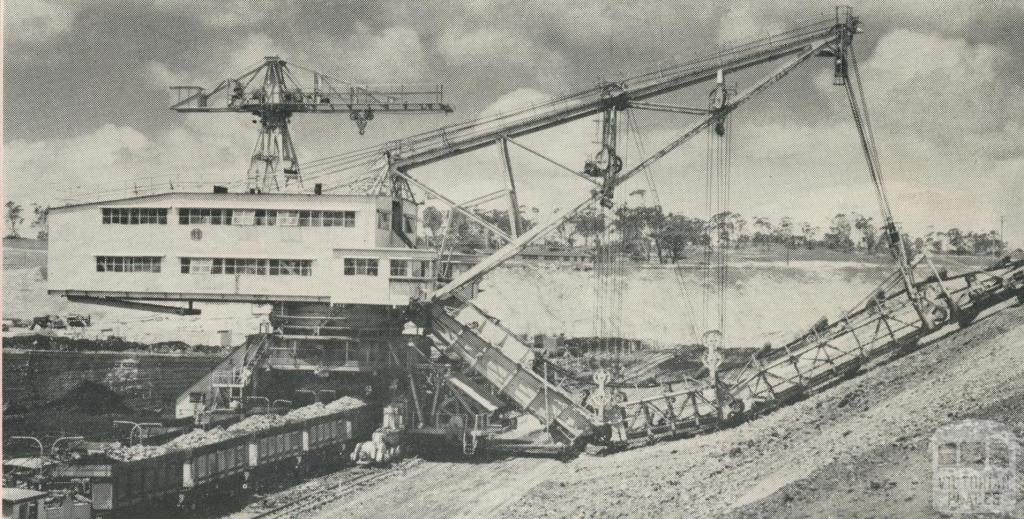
[505, 362]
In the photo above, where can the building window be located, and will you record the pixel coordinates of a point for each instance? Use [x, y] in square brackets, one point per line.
[288, 218]
[360, 266]
[247, 266]
[399, 268]
[268, 217]
[410, 224]
[197, 216]
[402, 268]
[134, 215]
[128, 263]
[383, 220]
[422, 269]
[258, 217]
[339, 219]
[243, 217]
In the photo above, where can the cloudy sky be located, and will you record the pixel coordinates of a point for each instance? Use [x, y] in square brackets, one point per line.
[86, 97]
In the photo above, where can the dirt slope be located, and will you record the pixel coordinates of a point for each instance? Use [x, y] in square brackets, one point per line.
[857, 450]
[813, 450]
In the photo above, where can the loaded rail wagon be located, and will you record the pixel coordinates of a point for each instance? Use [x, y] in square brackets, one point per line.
[137, 484]
[216, 468]
[326, 436]
[185, 477]
[275, 445]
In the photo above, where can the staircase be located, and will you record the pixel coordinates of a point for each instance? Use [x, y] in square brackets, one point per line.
[497, 355]
[228, 380]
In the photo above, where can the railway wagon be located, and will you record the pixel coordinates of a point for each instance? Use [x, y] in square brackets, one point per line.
[217, 468]
[144, 483]
[325, 437]
[183, 478]
[275, 445]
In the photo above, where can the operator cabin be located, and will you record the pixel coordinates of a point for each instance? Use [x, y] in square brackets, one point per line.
[239, 247]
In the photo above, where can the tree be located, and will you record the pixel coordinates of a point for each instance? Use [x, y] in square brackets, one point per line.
[978, 242]
[997, 242]
[784, 232]
[631, 224]
[763, 232]
[934, 240]
[654, 227]
[738, 224]
[955, 237]
[433, 220]
[868, 231]
[724, 227]
[40, 221]
[464, 235]
[588, 223]
[679, 232]
[809, 232]
[13, 218]
[838, 236]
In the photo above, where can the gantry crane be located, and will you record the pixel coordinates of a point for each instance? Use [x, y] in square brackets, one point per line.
[273, 93]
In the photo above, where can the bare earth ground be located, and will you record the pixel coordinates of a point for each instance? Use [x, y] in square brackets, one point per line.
[857, 450]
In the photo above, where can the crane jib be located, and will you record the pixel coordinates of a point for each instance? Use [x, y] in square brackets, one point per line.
[467, 137]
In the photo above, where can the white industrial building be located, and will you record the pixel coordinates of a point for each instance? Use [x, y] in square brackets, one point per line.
[240, 247]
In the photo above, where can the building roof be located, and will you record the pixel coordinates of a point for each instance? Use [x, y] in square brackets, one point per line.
[19, 495]
[215, 196]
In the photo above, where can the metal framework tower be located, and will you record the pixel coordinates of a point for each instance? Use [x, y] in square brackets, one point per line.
[273, 93]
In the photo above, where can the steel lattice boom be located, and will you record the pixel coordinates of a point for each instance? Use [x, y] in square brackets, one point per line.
[273, 93]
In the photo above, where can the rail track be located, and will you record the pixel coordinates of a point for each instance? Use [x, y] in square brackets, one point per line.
[322, 496]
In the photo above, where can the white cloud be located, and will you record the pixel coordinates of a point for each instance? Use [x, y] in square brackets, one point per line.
[35, 20]
[489, 47]
[394, 54]
[947, 90]
[744, 22]
[228, 13]
[115, 158]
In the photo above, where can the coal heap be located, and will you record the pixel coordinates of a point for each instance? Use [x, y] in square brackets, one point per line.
[91, 398]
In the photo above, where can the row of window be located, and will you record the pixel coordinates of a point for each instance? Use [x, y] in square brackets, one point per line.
[196, 216]
[268, 217]
[128, 263]
[360, 267]
[257, 217]
[247, 266]
[400, 268]
[134, 215]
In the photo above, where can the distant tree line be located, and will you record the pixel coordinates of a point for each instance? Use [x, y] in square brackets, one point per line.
[648, 233]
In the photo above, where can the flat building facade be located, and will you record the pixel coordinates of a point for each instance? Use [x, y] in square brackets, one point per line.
[241, 247]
